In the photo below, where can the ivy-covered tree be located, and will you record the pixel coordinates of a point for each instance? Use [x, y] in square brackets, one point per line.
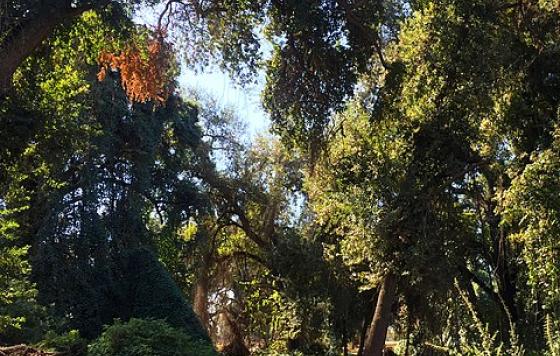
[98, 168]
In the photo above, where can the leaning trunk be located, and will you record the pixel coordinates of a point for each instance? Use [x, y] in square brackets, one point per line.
[375, 340]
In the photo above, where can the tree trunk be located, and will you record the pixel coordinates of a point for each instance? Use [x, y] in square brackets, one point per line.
[20, 45]
[375, 341]
[236, 346]
[200, 303]
[344, 341]
[408, 324]
[365, 325]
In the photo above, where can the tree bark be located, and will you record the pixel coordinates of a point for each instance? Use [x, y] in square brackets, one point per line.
[368, 316]
[363, 336]
[375, 341]
[237, 346]
[344, 341]
[20, 45]
[200, 303]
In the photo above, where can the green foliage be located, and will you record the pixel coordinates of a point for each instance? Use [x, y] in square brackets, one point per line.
[477, 339]
[69, 343]
[273, 316]
[21, 318]
[532, 206]
[92, 175]
[431, 153]
[413, 176]
[320, 49]
[552, 336]
[154, 294]
[147, 337]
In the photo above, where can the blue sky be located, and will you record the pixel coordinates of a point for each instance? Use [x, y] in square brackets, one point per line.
[245, 101]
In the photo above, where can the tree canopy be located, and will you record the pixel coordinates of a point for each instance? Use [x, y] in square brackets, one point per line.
[405, 197]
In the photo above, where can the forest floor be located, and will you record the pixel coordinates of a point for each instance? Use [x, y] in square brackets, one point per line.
[23, 350]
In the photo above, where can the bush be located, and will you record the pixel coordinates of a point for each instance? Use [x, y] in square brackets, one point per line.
[147, 337]
[69, 343]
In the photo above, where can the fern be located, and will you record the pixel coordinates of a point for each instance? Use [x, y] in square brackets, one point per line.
[486, 342]
[552, 337]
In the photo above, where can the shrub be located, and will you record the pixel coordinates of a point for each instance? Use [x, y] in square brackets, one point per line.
[147, 337]
[69, 343]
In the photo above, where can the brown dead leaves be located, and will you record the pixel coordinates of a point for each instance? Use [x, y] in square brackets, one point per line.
[146, 73]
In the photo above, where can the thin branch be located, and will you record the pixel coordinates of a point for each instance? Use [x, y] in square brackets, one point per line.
[245, 254]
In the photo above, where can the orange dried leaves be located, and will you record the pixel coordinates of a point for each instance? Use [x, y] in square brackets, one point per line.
[145, 75]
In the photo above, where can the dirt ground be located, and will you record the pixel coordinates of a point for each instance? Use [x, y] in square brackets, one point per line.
[23, 350]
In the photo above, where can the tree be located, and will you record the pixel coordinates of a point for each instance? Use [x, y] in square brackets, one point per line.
[95, 170]
[531, 209]
[414, 185]
[418, 163]
[252, 255]
[25, 25]
[20, 316]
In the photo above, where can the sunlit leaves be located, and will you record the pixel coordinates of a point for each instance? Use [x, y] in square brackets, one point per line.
[533, 208]
[17, 300]
[188, 231]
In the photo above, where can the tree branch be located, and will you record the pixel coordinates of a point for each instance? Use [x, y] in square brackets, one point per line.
[15, 49]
